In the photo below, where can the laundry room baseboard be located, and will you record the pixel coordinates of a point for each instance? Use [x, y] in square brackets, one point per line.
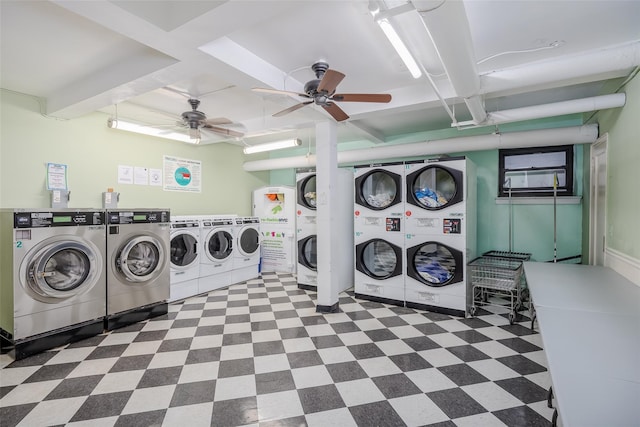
[136, 315]
[306, 287]
[334, 308]
[436, 309]
[623, 264]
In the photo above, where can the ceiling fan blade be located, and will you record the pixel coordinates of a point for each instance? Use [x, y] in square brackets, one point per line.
[292, 108]
[278, 92]
[330, 81]
[223, 131]
[217, 121]
[335, 111]
[361, 97]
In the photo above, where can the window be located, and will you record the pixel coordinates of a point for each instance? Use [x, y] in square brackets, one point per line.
[530, 172]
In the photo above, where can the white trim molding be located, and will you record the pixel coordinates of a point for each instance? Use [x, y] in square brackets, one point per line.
[543, 200]
[623, 264]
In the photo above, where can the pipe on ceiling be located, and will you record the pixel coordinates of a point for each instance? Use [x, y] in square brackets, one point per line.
[574, 106]
[448, 27]
[585, 134]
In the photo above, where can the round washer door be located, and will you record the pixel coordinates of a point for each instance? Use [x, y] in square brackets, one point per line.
[308, 252]
[248, 241]
[378, 189]
[379, 259]
[307, 192]
[183, 251]
[434, 187]
[62, 269]
[141, 259]
[219, 245]
[435, 264]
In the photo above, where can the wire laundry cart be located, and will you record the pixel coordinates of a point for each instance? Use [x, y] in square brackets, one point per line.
[493, 279]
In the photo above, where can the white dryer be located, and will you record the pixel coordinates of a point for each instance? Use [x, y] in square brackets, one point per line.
[440, 233]
[378, 232]
[138, 272]
[306, 228]
[53, 286]
[184, 256]
[216, 262]
[246, 258]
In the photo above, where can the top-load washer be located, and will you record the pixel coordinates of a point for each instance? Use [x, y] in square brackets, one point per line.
[53, 288]
[440, 219]
[217, 237]
[378, 232]
[246, 259]
[184, 256]
[138, 272]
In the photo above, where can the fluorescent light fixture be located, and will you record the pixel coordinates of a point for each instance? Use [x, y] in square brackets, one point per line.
[272, 146]
[146, 130]
[400, 47]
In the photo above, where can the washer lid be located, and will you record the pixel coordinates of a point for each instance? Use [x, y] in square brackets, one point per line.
[435, 264]
[379, 259]
[248, 240]
[308, 252]
[378, 189]
[183, 250]
[219, 245]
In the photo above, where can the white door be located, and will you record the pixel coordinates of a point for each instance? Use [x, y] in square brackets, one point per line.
[598, 203]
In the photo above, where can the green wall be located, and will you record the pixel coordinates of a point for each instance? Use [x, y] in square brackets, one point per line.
[92, 151]
[623, 173]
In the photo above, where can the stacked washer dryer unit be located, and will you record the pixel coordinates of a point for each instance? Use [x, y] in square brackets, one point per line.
[217, 252]
[184, 254]
[53, 285]
[306, 229]
[246, 258]
[138, 272]
[379, 232]
[440, 221]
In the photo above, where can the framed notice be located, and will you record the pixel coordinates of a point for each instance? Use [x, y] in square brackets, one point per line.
[182, 174]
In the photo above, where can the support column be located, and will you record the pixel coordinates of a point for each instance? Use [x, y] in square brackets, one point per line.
[327, 206]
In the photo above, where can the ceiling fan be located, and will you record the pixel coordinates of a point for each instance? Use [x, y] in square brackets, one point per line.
[322, 92]
[195, 120]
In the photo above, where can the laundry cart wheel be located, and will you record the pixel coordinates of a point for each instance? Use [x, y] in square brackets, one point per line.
[472, 310]
[512, 318]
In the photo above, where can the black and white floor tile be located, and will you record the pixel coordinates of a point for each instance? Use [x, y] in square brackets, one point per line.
[258, 354]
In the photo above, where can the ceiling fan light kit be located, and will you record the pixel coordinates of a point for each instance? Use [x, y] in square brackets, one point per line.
[147, 130]
[269, 146]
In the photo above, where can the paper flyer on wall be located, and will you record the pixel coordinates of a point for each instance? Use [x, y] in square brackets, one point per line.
[182, 174]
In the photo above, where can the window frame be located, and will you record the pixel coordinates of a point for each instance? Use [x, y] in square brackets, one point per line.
[562, 191]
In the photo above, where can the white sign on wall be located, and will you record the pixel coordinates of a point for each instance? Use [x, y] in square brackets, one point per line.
[182, 174]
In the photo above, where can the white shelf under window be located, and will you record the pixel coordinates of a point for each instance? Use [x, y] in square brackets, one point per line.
[545, 200]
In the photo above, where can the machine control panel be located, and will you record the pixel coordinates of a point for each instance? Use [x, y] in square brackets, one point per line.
[137, 217]
[57, 219]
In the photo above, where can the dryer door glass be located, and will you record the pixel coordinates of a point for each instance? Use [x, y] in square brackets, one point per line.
[379, 259]
[62, 270]
[310, 253]
[249, 241]
[308, 192]
[435, 264]
[434, 187]
[220, 245]
[379, 190]
[184, 250]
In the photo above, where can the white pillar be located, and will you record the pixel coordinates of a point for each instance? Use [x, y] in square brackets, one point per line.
[327, 197]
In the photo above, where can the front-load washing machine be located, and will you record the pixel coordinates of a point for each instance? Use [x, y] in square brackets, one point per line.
[138, 272]
[440, 233]
[184, 256]
[217, 237]
[246, 258]
[378, 232]
[306, 228]
[307, 271]
[306, 201]
[53, 287]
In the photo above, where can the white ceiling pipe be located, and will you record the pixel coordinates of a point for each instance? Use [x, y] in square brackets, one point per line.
[611, 62]
[448, 27]
[538, 138]
[557, 109]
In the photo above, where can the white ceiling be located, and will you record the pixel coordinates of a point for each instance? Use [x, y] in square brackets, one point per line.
[86, 56]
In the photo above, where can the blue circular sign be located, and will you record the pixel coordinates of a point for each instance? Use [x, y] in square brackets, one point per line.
[183, 176]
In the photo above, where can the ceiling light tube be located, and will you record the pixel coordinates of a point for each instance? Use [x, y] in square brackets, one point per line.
[272, 146]
[400, 47]
[146, 130]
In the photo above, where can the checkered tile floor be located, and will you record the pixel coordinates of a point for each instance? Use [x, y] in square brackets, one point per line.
[258, 354]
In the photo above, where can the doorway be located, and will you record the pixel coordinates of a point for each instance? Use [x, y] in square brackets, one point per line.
[598, 201]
